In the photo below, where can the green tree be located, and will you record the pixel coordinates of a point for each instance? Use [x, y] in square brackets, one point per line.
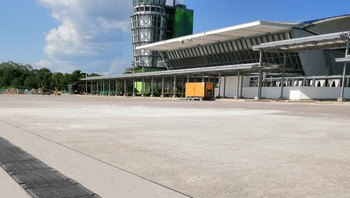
[56, 79]
[25, 76]
[76, 76]
[30, 83]
[65, 80]
[10, 72]
[43, 78]
[17, 82]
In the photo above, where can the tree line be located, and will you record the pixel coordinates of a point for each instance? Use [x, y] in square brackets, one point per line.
[17, 75]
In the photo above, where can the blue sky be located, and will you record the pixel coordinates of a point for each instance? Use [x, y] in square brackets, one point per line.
[94, 35]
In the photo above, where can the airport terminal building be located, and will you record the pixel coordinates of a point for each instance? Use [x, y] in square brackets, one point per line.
[261, 59]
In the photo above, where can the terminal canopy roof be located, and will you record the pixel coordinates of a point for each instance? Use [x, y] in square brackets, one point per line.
[247, 30]
[319, 42]
[210, 71]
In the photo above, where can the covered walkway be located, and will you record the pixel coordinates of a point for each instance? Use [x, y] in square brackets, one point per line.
[173, 79]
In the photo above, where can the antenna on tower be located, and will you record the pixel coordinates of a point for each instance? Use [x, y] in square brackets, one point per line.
[174, 3]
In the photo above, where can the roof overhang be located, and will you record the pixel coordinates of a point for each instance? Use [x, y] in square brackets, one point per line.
[214, 71]
[343, 60]
[319, 42]
[246, 30]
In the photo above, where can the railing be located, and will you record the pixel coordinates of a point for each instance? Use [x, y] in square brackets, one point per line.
[302, 81]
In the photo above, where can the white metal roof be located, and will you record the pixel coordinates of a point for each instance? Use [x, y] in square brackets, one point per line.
[324, 41]
[216, 69]
[230, 33]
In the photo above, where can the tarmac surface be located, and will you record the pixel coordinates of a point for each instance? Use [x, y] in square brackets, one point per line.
[141, 147]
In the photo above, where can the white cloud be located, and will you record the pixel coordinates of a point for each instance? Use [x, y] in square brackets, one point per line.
[89, 31]
[115, 66]
[43, 63]
[57, 65]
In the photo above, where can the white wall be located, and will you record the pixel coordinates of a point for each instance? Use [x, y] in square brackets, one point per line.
[231, 86]
[291, 93]
[297, 93]
[300, 93]
[267, 92]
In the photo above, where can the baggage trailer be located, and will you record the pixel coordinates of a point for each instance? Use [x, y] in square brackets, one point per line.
[199, 90]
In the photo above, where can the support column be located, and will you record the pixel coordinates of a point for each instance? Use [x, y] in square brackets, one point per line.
[92, 88]
[125, 87]
[237, 87]
[188, 78]
[271, 81]
[143, 87]
[97, 90]
[183, 87]
[214, 86]
[342, 99]
[109, 87]
[152, 86]
[241, 87]
[224, 87]
[103, 88]
[259, 77]
[174, 87]
[219, 95]
[133, 87]
[86, 90]
[203, 80]
[283, 75]
[116, 87]
[162, 87]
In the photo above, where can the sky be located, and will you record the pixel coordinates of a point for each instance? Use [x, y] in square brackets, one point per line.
[94, 35]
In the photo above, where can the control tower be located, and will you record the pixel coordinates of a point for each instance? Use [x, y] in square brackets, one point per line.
[154, 21]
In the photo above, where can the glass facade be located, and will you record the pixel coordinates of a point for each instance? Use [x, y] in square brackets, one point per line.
[183, 22]
[147, 26]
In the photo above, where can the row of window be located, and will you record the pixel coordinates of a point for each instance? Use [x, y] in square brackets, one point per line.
[147, 61]
[161, 2]
[149, 9]
[147, 24]
[147, 38]
[143, 52]
[155, 17]
[137, 31]
[145, 35]
[150, 21]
